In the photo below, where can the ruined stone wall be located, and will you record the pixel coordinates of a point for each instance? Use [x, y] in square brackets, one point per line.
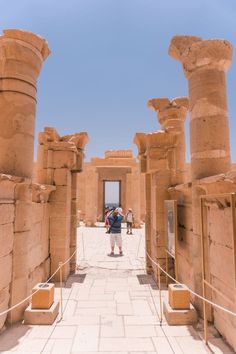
[220, 263]
[24, 241]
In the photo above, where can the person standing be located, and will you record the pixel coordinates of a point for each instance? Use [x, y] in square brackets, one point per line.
[129, 220]
[115, 220]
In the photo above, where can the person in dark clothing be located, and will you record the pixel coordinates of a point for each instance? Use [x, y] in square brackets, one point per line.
[115, 220]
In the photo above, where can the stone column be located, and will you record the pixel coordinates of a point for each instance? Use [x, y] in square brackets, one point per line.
[140, 141]
[171, 115]
[21, 57]
[205, 63]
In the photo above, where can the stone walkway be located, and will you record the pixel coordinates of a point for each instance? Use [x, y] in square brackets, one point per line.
[110, 306]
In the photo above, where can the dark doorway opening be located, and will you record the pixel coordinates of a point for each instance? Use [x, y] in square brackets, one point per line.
[111, 195]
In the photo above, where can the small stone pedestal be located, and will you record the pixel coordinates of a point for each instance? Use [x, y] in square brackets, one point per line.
[41, 316]
[179, 317]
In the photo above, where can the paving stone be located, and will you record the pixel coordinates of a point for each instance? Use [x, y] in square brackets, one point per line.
[86, 339]
[63, 332]
[109, 313]
[112, 326]
[141, 320]
[140, 331]
[125, 309]
[130, 344]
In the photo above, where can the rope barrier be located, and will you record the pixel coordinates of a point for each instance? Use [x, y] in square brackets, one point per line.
[191, 291]
[29, 297]
[152, 260]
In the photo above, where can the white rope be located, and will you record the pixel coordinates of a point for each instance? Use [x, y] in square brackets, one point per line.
[29, 297]
[191, 291]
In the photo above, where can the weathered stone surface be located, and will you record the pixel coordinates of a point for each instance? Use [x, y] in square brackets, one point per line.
[179, 317]
[23, 216]
[41, 317]
[5, 270]
[62, 177]
[6, 239]
[23, 55]
[6, 213]
[4, 299]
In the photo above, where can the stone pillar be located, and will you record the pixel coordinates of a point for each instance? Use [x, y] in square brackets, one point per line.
[21, 57]
[205, 63]
[171, 115]
[140, 141]
[60, 158]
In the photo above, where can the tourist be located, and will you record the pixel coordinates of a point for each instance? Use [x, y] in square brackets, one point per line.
[115, 220]
[108, 211]
[120, 210]
[129, 220]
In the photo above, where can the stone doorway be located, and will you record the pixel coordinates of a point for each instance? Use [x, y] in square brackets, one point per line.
[111, 194]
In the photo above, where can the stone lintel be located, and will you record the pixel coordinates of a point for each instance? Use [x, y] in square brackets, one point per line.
[41, 192]
[120, 154]
[195, 53]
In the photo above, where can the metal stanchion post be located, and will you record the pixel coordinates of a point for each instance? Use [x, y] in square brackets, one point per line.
[61, 306]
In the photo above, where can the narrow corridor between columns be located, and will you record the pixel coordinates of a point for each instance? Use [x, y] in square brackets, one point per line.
[110, 306]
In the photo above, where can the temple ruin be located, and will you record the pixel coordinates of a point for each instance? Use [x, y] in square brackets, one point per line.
[118, 165]
[39, 203]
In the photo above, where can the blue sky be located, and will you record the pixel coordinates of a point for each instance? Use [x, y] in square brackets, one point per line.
[110, 56]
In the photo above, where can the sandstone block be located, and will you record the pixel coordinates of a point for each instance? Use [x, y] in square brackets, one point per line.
[23, 216]
[61, 194]
[7, 212]
[64, 159]
[179, 296]
[6, 239]
[19, 291]
[59, 226]
[5, 270]
[179, 317]
[4, 300]
[41, 317]
[7, 189]
[23, 192]
[62, 177]
[35, 257]
[42, 296]
[59, 209]
[37, 212]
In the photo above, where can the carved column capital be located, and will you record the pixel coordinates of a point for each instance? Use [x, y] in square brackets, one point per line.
[171, 113]
[195, 53]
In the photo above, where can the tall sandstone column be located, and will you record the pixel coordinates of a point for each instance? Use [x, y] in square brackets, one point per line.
[204, 63]
[21, 57]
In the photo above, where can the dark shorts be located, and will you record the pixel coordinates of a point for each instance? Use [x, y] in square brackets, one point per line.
[129, 224]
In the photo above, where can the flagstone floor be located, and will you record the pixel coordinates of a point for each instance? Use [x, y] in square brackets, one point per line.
[110, 306]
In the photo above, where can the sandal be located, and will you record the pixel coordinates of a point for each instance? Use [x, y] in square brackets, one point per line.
[111, 254]
[121, 253]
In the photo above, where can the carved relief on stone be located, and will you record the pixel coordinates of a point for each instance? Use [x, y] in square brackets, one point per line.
[41, 192]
